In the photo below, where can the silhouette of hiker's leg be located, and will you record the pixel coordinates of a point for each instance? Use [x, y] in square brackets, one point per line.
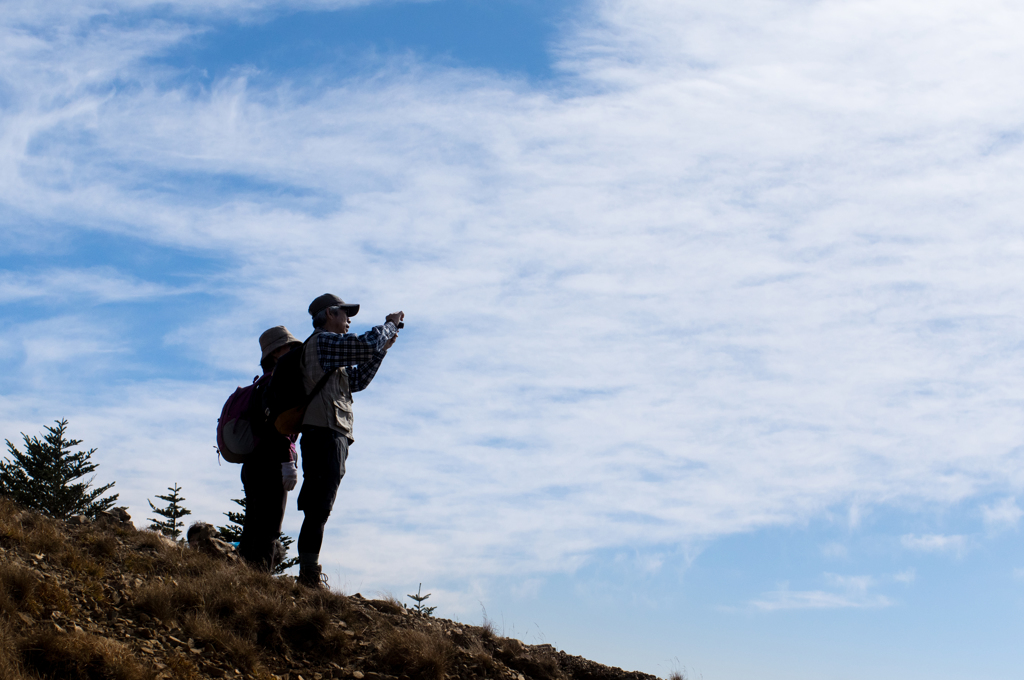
[311, 537]
[324, 453]
[265, 500]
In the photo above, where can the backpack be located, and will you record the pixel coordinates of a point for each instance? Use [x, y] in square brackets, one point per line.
[241, 421]
[285, 399]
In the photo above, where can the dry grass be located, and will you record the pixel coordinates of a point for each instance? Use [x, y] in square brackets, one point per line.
[416, 653]
[244, 612]
[99, 544]
[19, 590]
[327, 600]
[110, 586]
[10, 664]
[45, 538]
[54, 598]
[93, 589]
[29, 531]
[183, 668]
[230, 610]
[151, 541]
[23, 590]
[80, 564]
[486, 630]
[483, 659]
[79, 656]
[209, 634]
[389, 604]
[540, 666]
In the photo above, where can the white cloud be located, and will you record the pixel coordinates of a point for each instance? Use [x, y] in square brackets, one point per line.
[58, 288]
[67, 343]
[835, 550]
[935, 543]
[744, 268]
[816, 599]
[905, 576]
[1003, 514]
[852, 592]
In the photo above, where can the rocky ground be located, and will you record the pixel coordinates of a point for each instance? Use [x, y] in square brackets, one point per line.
[83, 600]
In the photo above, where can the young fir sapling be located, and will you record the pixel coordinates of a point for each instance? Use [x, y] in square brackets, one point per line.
[419, 606]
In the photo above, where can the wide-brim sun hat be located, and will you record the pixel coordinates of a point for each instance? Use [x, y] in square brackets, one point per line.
[328, 300]
[274, 339]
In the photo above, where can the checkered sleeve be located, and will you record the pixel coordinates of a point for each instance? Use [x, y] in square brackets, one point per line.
[361, 353]
[360, 375]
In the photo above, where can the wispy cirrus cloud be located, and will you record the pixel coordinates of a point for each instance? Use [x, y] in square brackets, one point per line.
[848, 592]
[60, 287]
[726, 278]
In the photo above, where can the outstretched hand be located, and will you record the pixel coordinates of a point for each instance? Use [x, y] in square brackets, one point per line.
[395, 318]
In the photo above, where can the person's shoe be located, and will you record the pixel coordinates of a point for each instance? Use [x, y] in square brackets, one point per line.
[312, 577]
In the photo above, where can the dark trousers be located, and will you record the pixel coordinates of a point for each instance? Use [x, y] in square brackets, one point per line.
[324, 453]
[265, 501]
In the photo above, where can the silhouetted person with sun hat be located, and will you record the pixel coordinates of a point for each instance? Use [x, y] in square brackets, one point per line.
[269, 472]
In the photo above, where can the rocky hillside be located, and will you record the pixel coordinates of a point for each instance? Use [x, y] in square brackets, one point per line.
[100, 600]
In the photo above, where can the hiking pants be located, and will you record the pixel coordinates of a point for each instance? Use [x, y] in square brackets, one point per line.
[324, 452]
[265, 500]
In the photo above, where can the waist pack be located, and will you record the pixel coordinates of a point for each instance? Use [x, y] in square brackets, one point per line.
[286, 400]
[241, 421]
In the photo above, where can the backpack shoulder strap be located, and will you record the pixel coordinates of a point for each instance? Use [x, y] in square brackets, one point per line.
[322, 383]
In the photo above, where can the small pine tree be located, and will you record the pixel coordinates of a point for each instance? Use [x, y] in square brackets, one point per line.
[43, 476]
[233, 532]
[171, 525]
[419, 606]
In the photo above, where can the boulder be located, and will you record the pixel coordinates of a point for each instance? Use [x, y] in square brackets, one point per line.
[203, 536]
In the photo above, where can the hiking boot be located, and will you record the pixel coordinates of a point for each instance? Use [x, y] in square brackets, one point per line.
[312, 577]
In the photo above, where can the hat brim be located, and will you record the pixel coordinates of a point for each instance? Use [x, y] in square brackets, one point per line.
[350, 310]
[278, 345]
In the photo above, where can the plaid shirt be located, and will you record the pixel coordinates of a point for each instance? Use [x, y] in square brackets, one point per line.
[361, 354]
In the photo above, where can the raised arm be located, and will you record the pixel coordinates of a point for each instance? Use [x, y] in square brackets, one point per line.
[336, 350]
[360, 375]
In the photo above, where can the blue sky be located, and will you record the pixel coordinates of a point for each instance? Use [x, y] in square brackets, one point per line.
[713, 354]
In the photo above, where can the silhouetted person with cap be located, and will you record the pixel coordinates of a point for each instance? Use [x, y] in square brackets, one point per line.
[352, 361]
[269, 472]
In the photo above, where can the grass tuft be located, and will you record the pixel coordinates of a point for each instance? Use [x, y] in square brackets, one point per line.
[487, 630]
[10, 663]
[79, 656]
[19, 590]
[206, 632]
[98, 544]
[483, 659]
[182, 667]
[389, 604]
[416, 653]
[152, 542]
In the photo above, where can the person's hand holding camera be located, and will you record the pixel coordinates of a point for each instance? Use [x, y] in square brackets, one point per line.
[395, 318]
